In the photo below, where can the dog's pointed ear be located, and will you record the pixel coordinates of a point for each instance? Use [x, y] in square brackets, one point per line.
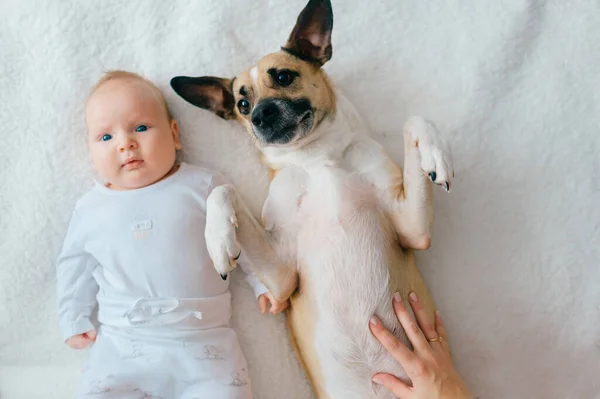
[208, 92]
[311, 38]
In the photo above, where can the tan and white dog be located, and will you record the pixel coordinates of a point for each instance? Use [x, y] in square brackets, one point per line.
[341, 218]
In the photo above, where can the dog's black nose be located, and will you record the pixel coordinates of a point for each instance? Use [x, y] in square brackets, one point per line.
[265, 114]
[224, 276]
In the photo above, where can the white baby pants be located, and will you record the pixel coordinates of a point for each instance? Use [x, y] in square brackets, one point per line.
[165, 350]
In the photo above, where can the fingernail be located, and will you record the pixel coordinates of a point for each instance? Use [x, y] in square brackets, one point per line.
[413, 297]
[373, 320]
[438, 315]
[376, 380]
[397, 297]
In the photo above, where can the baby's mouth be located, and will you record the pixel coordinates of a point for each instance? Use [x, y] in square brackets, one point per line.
[132, 164]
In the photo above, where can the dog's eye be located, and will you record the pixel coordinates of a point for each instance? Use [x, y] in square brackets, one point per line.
[244, 107]
[284, 78]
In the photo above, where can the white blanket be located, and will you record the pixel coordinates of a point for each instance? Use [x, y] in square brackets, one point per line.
[513, 84]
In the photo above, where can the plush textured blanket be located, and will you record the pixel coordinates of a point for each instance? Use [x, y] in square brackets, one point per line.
[514, 86]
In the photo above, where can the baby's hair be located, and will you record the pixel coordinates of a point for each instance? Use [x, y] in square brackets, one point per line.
[120, 74]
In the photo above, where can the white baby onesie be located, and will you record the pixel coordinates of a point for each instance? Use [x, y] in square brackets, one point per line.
[139, 258]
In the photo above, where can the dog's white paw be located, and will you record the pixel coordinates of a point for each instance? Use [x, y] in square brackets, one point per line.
[220, 232]
[436, 157]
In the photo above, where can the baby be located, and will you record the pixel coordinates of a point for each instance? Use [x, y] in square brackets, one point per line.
[135, 251]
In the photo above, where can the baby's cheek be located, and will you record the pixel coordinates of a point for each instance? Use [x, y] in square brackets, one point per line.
[103, 165]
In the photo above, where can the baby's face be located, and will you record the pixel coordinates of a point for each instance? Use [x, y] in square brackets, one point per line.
[131, 140]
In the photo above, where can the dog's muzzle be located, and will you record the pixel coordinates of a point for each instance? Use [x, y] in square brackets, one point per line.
[279, 121]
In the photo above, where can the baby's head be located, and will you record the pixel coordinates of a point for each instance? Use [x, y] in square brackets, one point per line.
[132, 136]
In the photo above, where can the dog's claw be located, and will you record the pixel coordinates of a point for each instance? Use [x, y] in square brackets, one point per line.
[224, 276]
[432, 176]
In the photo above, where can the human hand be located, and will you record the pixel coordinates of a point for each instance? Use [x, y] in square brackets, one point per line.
[276, 306]
[429, 366]
[81, 341]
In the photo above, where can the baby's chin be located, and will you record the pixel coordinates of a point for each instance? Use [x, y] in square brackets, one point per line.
[133, 181]
[138, 175]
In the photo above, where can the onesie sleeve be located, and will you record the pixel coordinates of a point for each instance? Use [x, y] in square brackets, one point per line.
[217, 179]
[76, 287]
[258, 287]
[244, 263]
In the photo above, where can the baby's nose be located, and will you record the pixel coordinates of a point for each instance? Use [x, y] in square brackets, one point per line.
[127, 144]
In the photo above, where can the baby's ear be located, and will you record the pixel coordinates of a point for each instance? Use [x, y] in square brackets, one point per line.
[208, 92]
[175, 132]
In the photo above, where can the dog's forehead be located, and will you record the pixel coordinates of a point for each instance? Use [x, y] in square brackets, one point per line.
[280, 60]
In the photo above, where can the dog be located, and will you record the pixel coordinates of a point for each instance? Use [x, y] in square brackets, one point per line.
[341, 219]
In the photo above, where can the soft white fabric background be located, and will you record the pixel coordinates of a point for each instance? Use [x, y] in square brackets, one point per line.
[513, 84]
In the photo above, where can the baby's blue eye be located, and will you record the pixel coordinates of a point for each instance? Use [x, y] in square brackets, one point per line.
[106, 137]
[141, 128]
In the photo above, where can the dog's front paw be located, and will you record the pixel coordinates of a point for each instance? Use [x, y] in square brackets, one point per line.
[220, 232]
[436, 157]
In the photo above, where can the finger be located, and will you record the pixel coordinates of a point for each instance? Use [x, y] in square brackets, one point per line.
[441, 331]
[263, 302]
[423, 318]
[400, 352]
[273, 302]
[393, 384]
[91, 335]
[280, 306]
[413, 332]
[439, 326]
[275, 308]
[283, 306]
[78, 342]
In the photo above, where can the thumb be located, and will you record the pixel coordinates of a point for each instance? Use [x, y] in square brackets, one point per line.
[393, 384]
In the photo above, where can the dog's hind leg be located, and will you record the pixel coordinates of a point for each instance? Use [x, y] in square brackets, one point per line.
[230, 227]
[406, 194]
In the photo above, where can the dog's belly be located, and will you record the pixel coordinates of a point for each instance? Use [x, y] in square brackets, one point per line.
[350, 265]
